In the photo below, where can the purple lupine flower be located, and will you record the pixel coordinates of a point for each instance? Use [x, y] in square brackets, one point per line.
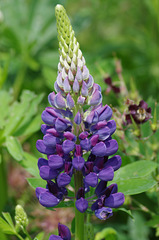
[64, 233]
[108, 198]
[140, 113]
[52, 195]
[70, 132]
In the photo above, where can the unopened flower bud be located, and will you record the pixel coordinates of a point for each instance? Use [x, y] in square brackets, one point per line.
[20, 217]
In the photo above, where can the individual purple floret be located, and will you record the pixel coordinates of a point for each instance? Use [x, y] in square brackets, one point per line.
[52, 195]
[64, 233]
[108, 198]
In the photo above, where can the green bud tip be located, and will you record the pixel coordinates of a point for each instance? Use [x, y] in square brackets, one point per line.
[20, 217]
[70, 54]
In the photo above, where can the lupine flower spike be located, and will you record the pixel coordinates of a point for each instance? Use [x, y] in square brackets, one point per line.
[70, 133]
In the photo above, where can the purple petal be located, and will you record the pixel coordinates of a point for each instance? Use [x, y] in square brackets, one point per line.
[55, 161]
[40, 190]
[59, 80]
[54, 132]
[112, 126]
[104, 213]
[83, 135]
[57, 89]
[76, 86]
[42, 162]
[68, 146]
[43, 149]
[60, 125]
[70, 101]
[48, 118]
[82, 205]
[85, 144]
[81, 100]
[106, 174]
[84, 89]
[64, 232]
[101, 187]
[59, 101]
[78, 151]
[63, 179]
[143, 104]
[103, 133]
[85, 73]
[69, 136]
[54, 237]
[47, 199]
[70, 75]
[91, 179]
[78, 118]
[49, 140]
[105, 113]
[67, 87]
[47, 173]
[111, 147]
[96, 98]
[79, 74]
[51, 98]
[114, 162]
[90, 81]
[99, 149]
[78, 162]
[113, 188]
[115, 200]
[94, 140]
[44, 128]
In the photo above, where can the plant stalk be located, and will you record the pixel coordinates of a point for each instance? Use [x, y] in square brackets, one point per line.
[79, 217]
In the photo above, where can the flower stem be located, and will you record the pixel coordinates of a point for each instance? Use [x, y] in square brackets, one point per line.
[79, 217]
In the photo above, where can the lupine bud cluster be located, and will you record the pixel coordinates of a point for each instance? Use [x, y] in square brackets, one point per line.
[71, 133]
[20, 217]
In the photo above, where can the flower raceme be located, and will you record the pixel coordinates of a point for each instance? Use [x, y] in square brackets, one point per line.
[77, 135]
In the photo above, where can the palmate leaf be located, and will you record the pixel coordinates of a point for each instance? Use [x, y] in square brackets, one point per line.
[40, 236]
[30, 164]
[136, 177]
[6, 228]
[17, 112]
[14, 148]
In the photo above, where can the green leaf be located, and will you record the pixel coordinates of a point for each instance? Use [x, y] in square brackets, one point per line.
[124, 210]
[5, 227]
[5, 99]
[8, 218]
[106, 234]
[36, 182]
[40, 236]
[135, 170]
[30, 124]
[131, 186]
[154, 222]
[14, 148]
[17, 112]
[30, 164]
[135, 177]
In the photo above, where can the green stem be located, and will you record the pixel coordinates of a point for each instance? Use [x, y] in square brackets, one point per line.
[19, 81]
[79, 217]
[3, 181]
[19, 236]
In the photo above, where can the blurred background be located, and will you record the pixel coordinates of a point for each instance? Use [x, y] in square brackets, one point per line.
[105, 29]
